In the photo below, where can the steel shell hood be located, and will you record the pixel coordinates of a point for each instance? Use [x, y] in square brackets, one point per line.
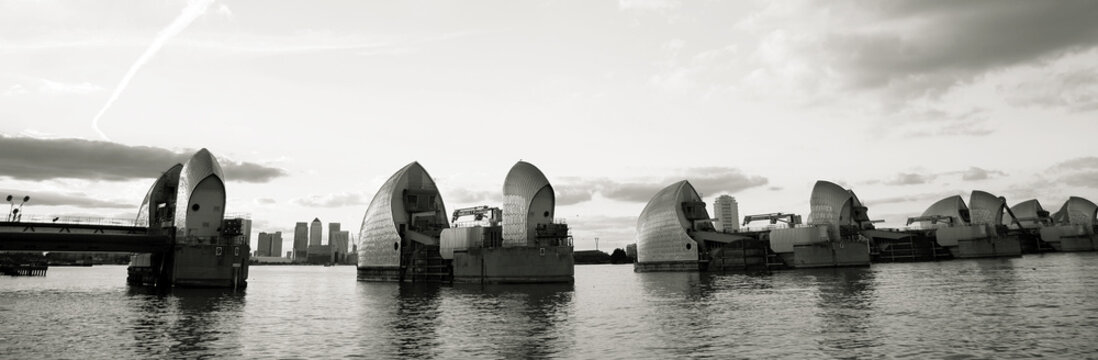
[662, 226]
[201, 167]
[162, 191]
[379, 237]
[953, 206]
[985, 208]
[528, 200]
[1077, 211]
[1030, 210]
[831, 204]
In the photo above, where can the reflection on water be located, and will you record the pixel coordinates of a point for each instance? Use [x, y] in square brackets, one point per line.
[189, 321]
[1025, 307]
[844, 305]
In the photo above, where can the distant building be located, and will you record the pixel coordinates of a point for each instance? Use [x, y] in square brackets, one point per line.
[301, 242]
[315, 232]
[270, 245]
[338, 241]
[264, 247]
[333, 228]
[727, 211]
[276, 244]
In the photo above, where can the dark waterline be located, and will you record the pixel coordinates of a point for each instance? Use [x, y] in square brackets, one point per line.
[998, 308]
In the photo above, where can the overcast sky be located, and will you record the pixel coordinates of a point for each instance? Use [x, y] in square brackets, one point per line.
[310, 106]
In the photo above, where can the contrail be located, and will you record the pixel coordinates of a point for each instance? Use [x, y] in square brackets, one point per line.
[194, 9]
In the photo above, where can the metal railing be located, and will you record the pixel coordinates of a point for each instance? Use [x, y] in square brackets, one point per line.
[79, 220]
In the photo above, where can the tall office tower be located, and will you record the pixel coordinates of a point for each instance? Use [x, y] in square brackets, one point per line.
[276, 244]
[301, 242]
[264, 248]
[727, 211]
[337, 242]
[333, 230]
[315, 231]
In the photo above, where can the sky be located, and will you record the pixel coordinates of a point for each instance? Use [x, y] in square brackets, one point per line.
[311, 106]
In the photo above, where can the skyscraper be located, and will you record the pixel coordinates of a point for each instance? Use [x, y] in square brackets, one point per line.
[315, 231]
[270, 244]
[301, 241]
[727, 211]
[337, 242]
[276, 244]
[333, 230]
[264, 247]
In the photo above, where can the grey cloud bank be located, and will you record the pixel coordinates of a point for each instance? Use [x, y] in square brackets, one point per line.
[76, 199]
[29, 158]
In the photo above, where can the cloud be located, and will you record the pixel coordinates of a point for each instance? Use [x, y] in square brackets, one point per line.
[571, 195]
[911, 179]
[1073, 89]
[717, 180]
[30, 158]
[1085, 179]
[706, 180]
[912, 49]
[920, 198]
[1081, 171]
[975, 174]
[74, 199]
[249, 172]
[334, 200]
[1082, 163]
[265, 201]
[464, 196]
[930, 121]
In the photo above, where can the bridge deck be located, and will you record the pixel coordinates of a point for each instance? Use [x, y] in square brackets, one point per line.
[20, 236]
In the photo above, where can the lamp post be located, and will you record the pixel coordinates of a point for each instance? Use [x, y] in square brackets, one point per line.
[26, 198]
[10, 208]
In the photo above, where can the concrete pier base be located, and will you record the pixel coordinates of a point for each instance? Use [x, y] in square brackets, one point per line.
[553, 264]
[987, 247]
[1074, 244]
[831, 254]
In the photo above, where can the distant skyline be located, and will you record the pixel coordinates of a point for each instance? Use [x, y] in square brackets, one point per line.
[311, 107]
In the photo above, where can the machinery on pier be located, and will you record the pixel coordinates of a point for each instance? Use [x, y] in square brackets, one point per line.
[411, 240]
[675, 233]
[187, 205]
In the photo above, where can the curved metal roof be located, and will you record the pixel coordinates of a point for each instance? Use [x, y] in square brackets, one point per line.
[951, 206]
[1077, 211]
[985, 208]
[1029, 209]
[159, 192]
[831, 204]
[662, 226]
[202, 165]
[379, 239]
[528, 199]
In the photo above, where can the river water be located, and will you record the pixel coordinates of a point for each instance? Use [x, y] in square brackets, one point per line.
[1039, 305]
